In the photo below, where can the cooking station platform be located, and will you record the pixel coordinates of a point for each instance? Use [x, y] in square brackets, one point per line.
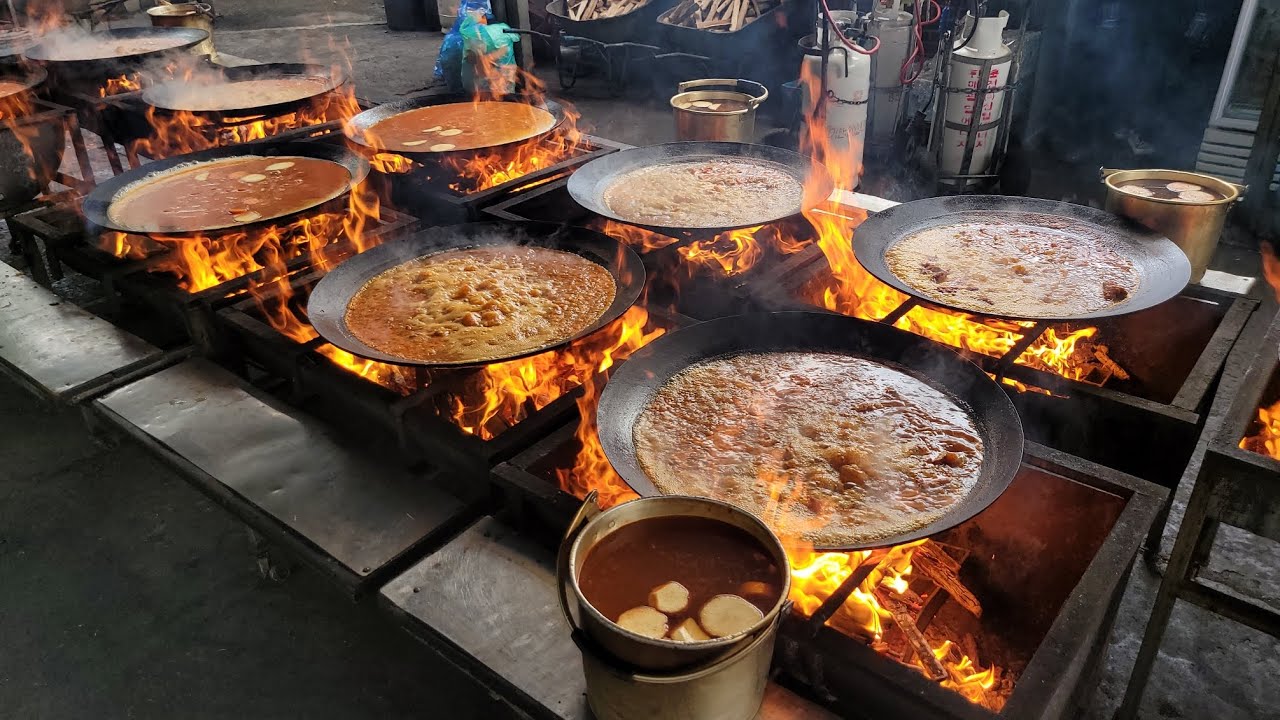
[60, 351]
[487, 601]
[338, 508]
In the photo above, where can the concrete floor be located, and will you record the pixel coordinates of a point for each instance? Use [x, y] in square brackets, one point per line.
[127, 594]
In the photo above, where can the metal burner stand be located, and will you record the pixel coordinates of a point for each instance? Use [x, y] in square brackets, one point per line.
[518, 643]
[425, 190]
[1237, 487]
[54, 237]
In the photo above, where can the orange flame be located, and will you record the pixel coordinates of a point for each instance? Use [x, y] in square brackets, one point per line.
[391, 163]
[1266, 441]
[127, 83]
[179, 132]
[851, 290]
[501, 395]
[484, 170]
[13, 109]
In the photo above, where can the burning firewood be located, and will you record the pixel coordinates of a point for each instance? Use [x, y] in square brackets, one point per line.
[932, 562]
[907, 624]
[601, 9]
[718, 15]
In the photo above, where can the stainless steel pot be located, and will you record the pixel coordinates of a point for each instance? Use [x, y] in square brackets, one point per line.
[192, 15]
[1195, 227]
[706, 122]
[591, 526]
[729, 689]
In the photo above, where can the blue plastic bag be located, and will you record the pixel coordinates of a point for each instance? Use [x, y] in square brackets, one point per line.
[449, 61]
[489, 64]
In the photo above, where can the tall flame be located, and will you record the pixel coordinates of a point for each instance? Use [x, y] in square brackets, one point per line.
[483, 170]
[501, 395]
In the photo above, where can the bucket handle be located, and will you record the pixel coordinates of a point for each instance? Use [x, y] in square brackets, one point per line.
[757, 92]
[586, 513]
[1105, 172]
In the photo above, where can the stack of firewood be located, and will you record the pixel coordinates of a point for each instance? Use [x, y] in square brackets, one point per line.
[601, 9]
[718, 15]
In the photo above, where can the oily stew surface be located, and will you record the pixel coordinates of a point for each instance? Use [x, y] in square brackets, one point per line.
[241, 93]
[9, 87]
[1159, 189]
[708, 557]
[222, 193]
[480, 304]
[460, 126]
[856, 450]
[1016, 264]
[722, 192]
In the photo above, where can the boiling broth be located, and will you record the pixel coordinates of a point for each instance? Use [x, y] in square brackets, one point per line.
[708, 557]
[715, 106]
[9, 87]
[256, 92]
[460, 126]
[1160, 189]
[222, 193]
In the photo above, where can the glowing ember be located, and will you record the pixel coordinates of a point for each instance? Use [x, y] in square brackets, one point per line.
[1266, 441]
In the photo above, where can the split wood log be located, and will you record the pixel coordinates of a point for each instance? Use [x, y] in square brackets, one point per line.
[932, 562]
[907, 624]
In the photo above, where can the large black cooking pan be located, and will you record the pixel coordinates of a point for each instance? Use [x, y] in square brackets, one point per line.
[49, 49]
[588, 184]
[357, 128]
[631, 387]
[1164, 268]
[30, 77]
[100, 199]
[170, 95]
[327, 306]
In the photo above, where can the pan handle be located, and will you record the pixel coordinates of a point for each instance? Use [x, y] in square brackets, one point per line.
[585, 515]
[759, 93]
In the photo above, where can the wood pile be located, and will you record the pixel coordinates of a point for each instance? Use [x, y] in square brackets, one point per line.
[601, 9]
[718, 15]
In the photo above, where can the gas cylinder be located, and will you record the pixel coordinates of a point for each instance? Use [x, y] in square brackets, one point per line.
[983, 62]
[892, 26]
[848, 84]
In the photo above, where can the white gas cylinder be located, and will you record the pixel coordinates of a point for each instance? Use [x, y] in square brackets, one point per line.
[848, 88]
[983, 62]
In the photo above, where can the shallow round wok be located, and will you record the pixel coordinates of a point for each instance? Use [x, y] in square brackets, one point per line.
[182, 39]
[357, 128]
[169, 95]
[1164, 268]
[99, 200]
[327, 306]
[588, 184]
[631, 387]
[30, 77]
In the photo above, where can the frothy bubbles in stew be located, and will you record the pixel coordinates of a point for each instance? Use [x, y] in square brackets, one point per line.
[709, 558]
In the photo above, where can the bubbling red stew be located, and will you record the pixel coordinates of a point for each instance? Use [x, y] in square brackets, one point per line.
[682, 578]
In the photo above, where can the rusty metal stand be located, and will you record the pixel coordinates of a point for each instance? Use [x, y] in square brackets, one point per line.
[1237, 487]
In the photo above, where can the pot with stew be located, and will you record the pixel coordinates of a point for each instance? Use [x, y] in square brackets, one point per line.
[717, 110]
[676, 605]
[1188, 208]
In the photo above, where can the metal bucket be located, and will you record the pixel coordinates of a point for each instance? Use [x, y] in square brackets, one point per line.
[713, 124]
[192, 15]
[591, 526]
[730, 689]
[1195, 227]
[630, 676]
